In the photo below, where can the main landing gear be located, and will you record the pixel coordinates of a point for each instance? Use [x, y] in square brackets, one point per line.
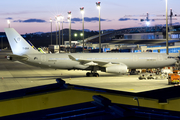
[88, 74]
[93, 72]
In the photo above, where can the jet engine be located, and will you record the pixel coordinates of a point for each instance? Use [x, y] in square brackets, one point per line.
[121, 68]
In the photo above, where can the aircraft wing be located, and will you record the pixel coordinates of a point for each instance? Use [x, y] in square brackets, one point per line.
[92, 62]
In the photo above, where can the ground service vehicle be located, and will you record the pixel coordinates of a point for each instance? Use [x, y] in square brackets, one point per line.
[173, 78]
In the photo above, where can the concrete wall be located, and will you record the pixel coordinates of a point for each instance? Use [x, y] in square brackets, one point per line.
[74, 96]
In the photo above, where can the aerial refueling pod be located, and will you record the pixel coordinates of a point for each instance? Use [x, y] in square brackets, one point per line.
[121, 68]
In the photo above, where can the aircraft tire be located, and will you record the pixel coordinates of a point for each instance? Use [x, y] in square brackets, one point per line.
[169, 83]
[88, 74]
[96, 75]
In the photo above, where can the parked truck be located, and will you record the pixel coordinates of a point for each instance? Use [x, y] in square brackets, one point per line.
[173, 78]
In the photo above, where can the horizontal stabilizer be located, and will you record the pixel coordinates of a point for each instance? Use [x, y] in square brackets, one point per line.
[16, 57]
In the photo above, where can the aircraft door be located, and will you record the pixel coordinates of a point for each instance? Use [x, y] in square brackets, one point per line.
[43, 58]
[160, 58]
[135, 58]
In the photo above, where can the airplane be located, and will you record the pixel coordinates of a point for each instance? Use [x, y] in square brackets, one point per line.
[105, 62]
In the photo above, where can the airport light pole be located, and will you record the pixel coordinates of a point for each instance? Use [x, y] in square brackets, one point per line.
[82, 35]
[69, 18]
[82, 12]
[1, 42]
[62, 18]
[98, 7]
[58, 19]
[8, 22]
[56, 31]
[167, 51]
[51, 30]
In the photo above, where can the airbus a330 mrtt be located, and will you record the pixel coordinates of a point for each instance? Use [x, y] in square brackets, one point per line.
[93, 62]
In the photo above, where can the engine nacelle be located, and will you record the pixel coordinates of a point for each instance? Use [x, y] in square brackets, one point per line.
[121, 68]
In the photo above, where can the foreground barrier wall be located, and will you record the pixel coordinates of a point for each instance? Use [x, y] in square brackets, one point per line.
[74, 96]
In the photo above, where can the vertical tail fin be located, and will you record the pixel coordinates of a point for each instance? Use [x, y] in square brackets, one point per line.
[19, 45]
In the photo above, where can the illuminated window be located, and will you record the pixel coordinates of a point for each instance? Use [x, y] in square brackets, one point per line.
[171, 50]
[175, 36]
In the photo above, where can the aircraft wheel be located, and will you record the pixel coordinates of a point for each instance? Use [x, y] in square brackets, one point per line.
[88, 74]
[169, 83]
[91, 75]
[96, 75]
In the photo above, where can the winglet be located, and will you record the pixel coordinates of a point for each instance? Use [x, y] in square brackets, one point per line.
[72, 58]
